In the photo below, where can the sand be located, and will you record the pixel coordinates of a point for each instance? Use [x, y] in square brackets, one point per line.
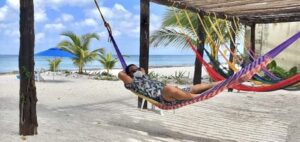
[82, 109]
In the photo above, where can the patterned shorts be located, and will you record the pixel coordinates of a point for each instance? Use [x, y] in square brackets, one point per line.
[162, 100]
[187, 89]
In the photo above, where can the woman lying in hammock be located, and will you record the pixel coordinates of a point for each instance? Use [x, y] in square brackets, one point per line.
[136, 80]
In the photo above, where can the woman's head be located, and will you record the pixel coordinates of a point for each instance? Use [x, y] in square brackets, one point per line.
[131, 69]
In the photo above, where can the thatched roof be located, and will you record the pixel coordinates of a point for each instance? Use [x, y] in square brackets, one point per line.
[248, 11]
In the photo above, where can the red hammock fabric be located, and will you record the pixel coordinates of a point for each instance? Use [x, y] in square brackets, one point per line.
[217, 77]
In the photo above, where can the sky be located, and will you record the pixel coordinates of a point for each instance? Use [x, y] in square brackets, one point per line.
[52, 17]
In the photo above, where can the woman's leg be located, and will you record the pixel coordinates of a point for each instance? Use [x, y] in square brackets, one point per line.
[172, 93]
[198, 88]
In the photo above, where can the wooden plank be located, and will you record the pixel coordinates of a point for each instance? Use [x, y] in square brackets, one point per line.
[194, 9]
[227, 4]
[144, 40]
[232, 48]
[257, 6]
[232, 14]
[267, 12]
[271, 16]
[198, 66]
[272, 20]
[252, 40]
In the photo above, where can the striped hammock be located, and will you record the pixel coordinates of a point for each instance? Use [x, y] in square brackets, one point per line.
[243, 75]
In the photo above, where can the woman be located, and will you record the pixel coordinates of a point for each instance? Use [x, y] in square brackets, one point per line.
[136, 80]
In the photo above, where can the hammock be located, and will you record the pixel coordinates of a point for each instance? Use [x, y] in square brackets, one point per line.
[290, 81]
[239, 77]
[278, 83]
[231, 66]
[217, 67]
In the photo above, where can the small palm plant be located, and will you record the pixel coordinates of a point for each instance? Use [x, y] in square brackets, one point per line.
[107, 60]
[53, 64]
[79, 47]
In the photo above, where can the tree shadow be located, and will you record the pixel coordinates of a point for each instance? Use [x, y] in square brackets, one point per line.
[55, 81]
[156, 129]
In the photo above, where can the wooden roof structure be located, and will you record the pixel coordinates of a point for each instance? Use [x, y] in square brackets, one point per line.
[248, 11]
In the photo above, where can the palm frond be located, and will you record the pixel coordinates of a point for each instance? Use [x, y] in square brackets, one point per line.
[75, 39]
[85, 39]
[172, 37]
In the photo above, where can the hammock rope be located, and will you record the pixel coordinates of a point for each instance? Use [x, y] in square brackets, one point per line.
[106, 24]
[217, 30]
[264, 69]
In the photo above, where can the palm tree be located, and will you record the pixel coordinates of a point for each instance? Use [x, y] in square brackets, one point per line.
[79, 47]
[27, 103]
[107, 61]
[53, 64]
[172, 33]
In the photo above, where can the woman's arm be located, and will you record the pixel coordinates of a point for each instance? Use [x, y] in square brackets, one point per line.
[143, 70]
[124, 77]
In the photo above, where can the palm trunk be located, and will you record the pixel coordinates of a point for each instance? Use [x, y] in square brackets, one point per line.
[27, 103]
[80, 69]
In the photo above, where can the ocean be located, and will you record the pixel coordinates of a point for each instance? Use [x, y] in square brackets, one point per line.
[9, 63]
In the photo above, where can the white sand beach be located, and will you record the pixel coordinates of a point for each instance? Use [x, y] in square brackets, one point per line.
[80, 109]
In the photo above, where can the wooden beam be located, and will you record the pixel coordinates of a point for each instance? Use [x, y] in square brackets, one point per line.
[144, 40]
[274, 12]
[270, 20]
[200, 49]
[182, 5]
[232, 48]
[212, 5]
[256, 6]
[252, 40]
[230, 15]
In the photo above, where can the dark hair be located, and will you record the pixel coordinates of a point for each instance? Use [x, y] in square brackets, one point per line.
[128, 67]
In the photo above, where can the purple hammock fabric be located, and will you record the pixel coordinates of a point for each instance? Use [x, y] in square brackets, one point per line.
[119, 54]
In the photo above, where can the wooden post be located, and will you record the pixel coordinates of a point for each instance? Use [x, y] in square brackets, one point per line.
[232, 48]
[144, 40]
[200, 49]
[27, 103]
[252, 50]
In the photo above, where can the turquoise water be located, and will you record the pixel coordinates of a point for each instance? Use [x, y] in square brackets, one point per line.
[9, 63]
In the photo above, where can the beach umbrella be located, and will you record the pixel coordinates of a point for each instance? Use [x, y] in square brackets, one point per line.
[56, 53]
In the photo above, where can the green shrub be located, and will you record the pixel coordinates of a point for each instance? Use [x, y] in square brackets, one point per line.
[280, 72]
[153, 75]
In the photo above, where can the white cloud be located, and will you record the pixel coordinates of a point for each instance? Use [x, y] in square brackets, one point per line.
[67, 17]
[117, 33]
[12, 32]
[55, 26]
[3, 12]
[15, 4]
[56, 4]
[122, 21]
[89, 22]
[120, 7]
[40, 15]
[39, 37]
[155, 22]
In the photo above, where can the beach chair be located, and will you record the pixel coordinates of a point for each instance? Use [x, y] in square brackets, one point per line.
[38, 77]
